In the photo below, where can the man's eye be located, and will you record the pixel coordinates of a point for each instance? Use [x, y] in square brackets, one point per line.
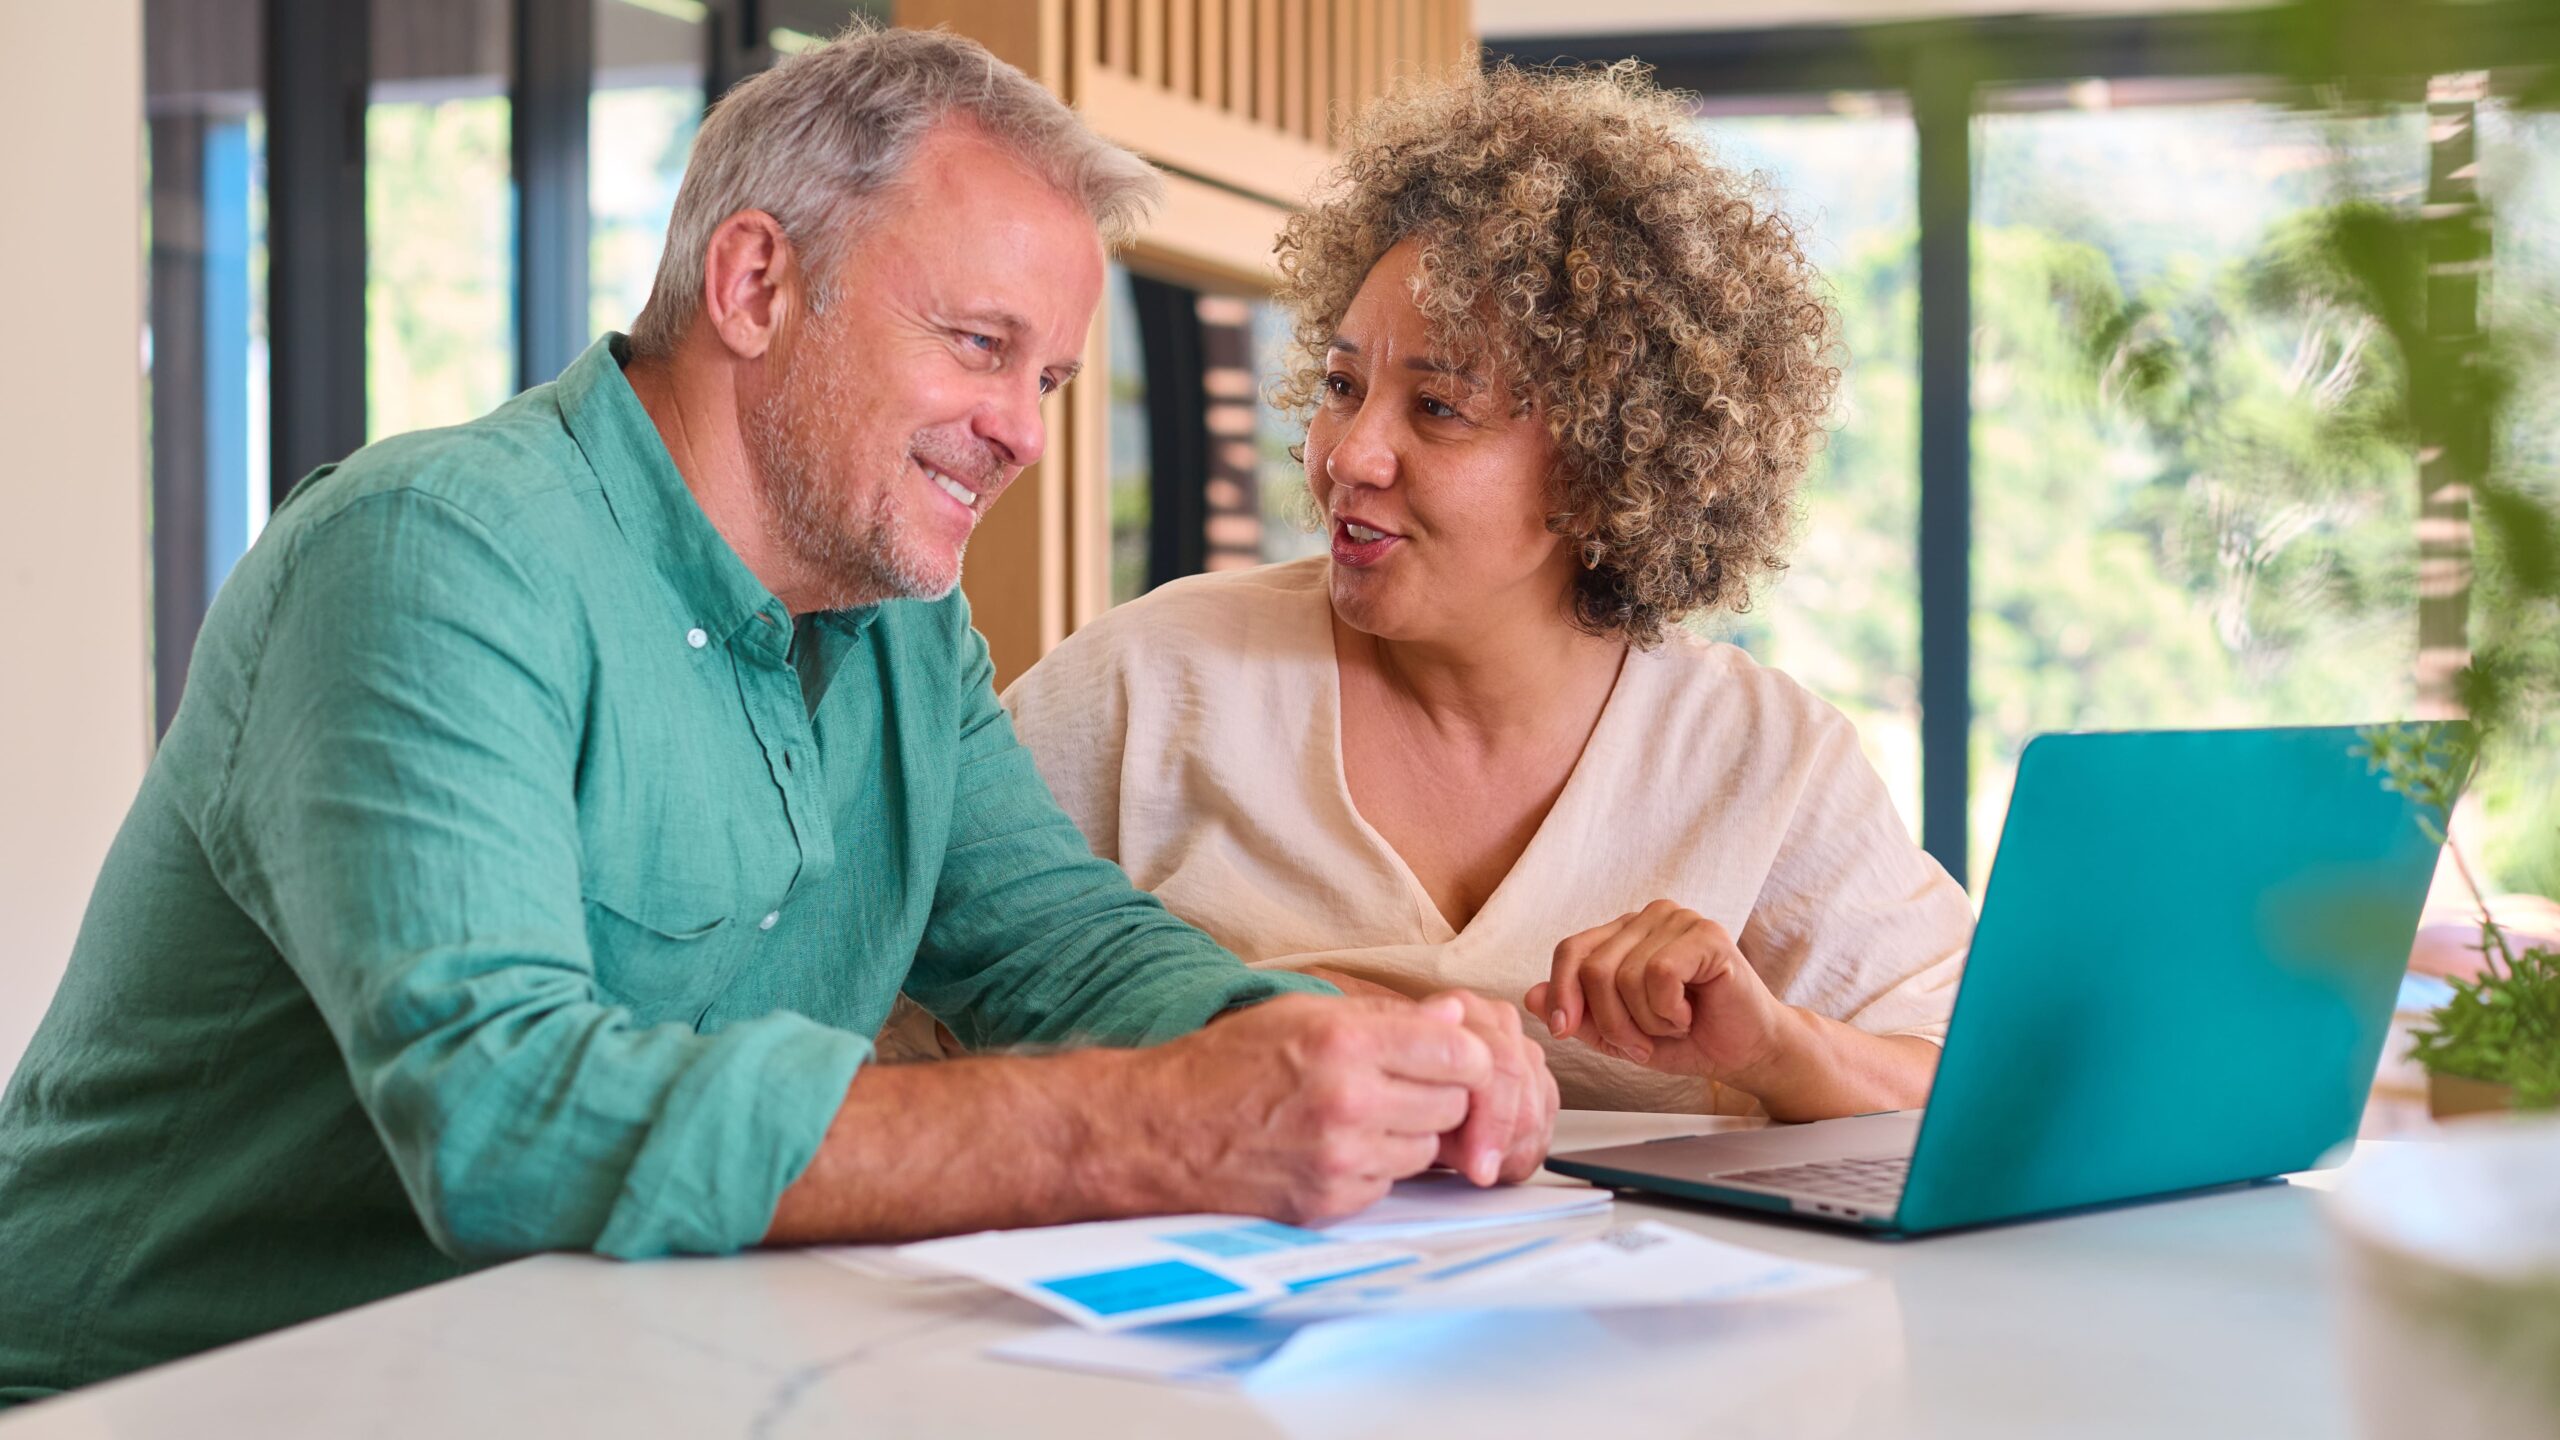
[1048, 384]
[987, 344]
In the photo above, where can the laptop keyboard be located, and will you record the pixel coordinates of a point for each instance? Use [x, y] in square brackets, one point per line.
[1875, 1183]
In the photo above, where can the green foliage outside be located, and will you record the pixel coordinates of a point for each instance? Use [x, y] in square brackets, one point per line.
[1132, 449]
[2195, 477]
[440, 237]
[2469, 385]
[1844, 619]
[439, 284]
[638, 137]
[2144, 551]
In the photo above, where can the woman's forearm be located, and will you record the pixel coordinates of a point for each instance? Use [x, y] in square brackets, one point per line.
[1822, 1069]
[1350, 984]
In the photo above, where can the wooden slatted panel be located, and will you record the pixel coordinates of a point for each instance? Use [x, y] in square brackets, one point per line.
[1319, 71]
[1150, 63]
[1350, 73]
[1382, 47]
[1119, 33]
[1239, 56]
[1056, 61]
[1391, 15]
[1213, 53]
[1082, 561]
[1345, 67]
[1266, 62]
[1241, 101]
[1293, 66]
[1184, 135]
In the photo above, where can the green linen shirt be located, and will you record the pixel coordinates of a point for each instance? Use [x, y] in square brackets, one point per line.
[516, 876]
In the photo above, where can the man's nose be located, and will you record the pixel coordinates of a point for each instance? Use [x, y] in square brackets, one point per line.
[1014, 428]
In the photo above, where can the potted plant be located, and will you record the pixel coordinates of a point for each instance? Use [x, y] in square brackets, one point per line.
[2496, 1044]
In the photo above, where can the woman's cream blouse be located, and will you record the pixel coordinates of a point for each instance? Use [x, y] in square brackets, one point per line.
[1194, 735]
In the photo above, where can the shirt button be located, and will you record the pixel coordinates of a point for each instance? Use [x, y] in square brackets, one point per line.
[695, 638]
[770, 919]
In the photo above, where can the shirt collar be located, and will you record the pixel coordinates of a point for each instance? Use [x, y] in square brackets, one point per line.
[657, 512]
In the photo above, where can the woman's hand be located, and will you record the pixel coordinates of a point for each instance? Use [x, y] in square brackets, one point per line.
[1664, 987]
[1512, 1116]
[1668, 988]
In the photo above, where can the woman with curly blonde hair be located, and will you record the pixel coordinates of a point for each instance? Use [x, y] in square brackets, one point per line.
[1562, 374]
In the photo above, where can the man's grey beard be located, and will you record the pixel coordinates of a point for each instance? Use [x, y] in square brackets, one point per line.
[848, 555]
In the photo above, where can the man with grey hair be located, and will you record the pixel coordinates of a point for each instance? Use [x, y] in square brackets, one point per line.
[560, 801]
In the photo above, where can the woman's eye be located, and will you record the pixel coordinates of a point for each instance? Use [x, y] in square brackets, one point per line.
[1438, 409]
[1338, 385]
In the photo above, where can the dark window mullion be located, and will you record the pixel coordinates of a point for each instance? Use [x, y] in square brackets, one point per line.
[547, 121]
[1942, 113]
[178, 400]
[738, 46]
[319, 67]
[1177, 428]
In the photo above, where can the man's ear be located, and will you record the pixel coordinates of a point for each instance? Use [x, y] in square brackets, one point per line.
[751, 283]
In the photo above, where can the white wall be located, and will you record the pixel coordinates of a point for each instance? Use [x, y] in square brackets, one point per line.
[75, 726]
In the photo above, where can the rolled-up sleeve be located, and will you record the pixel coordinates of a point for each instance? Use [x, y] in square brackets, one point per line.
[401, 819]
[1033, 940]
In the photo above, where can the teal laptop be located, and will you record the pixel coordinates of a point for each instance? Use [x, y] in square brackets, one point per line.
[2181, 979]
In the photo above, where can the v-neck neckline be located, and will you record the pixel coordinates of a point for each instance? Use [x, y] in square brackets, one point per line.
[1435, 925]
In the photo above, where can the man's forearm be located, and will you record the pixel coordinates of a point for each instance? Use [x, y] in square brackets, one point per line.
[976, 1144]
[1299, 1109]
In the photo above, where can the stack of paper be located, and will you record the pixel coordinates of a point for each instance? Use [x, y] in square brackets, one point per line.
[1627, 1267]
[1218, 1298]
[1445, 1204]
[1119, 1274]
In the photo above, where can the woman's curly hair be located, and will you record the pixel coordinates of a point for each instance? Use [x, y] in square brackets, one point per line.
[1576, 238]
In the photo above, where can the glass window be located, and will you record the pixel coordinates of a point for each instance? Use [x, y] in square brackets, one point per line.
[439, 216]
[1132, 476]
[1291, 528]
[641, 117]
[206, 340]
[2517, 840]
[792, 26]
[1844, 618]
[1251, 506]
[1231, 508]
[2181, 517]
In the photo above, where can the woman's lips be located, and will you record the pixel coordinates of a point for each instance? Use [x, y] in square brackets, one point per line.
[1359, 554]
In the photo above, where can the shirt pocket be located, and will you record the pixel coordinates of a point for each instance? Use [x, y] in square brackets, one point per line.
[662, 950]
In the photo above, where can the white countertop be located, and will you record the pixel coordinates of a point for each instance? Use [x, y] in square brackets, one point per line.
[2195, 1318]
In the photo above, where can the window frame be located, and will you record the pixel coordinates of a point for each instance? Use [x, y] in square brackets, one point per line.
[1941, 66]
